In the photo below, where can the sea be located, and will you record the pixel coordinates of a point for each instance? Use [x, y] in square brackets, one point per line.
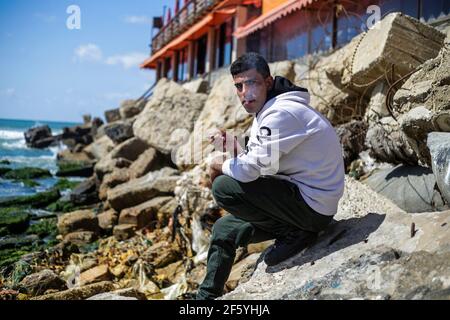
[14, 149]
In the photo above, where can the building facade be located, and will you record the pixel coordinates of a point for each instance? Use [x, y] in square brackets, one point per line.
[206, 35]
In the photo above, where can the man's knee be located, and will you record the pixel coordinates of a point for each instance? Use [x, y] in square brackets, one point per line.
[231, 230]
[224, 190]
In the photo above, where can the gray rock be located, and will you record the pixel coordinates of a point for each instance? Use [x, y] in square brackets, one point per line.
[110, 296]
[37, 283]
[112, 115]
[137, 191]
[409, 187]
[169, 116]
[79, 293]
[439, 145]
[119, 131]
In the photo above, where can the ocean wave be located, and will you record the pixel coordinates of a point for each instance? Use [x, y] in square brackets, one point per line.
[11, 135]
[19, 144]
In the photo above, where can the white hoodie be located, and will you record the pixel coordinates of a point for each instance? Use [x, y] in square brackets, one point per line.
[290, 140]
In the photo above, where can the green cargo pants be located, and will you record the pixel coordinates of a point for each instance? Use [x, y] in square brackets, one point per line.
[260, 210]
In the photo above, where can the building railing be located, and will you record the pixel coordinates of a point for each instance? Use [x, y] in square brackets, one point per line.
[189, 14]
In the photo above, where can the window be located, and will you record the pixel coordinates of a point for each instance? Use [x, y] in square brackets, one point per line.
[200, 56]
[168, 68]
[224, 43]
[182, 64]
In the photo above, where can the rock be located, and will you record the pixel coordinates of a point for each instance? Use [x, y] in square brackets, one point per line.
[26, 173]
[99, 148]
[19, 241]
[376, 108]
[283, 68]
[77, 157]
[161, 254]
[96, 274]
[112, 115]
[75, 169]
[131, 108]
[134, 192]
[409, 187]
[439, 145]
[428, 87]
[14, 220]
[196, 86]
[243, 268]
[149, 160]
[119, 131]
[110, 296]
[367, 253]
[82, 134]
[258, 247]
[37, 283]
[85, 193]
[388, 143]
[80, 238]
[172, 273]
[169, 116]
[40, 137]
[144, 213]
[39, 200]
[79, 293]
[124, 231]
[223, 110]
[121, 156]
[111, 180]
[108, 219]
[398, 40]
[352, 136]
[82, 220]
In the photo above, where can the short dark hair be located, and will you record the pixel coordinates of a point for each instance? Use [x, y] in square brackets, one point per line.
[248, 61]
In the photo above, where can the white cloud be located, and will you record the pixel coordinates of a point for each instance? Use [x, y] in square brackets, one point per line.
[88, 52]
[128, 60]
[138, 20]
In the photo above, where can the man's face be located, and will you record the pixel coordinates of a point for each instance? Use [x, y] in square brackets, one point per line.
[252, 89]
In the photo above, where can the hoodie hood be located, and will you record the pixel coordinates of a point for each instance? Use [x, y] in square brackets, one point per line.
[282, 85]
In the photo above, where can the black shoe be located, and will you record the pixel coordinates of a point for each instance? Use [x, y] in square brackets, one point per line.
[289, 245]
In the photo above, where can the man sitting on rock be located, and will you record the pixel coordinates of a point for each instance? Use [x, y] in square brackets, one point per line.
[287, 182]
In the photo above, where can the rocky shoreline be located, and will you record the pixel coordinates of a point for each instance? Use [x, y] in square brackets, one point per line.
[138, 226]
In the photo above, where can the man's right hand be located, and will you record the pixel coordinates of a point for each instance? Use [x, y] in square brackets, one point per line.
[225, 142]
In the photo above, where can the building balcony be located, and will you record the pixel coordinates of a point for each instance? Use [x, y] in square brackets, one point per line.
[192, 12]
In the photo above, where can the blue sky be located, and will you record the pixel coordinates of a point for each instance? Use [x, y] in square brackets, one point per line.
[48, 72]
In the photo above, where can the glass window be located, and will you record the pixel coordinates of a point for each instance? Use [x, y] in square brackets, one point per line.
[182, 64]
[224, 43]
[168, 68]
[200, 57]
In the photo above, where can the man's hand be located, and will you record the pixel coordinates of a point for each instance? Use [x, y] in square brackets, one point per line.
[215, 167]
[225, 142]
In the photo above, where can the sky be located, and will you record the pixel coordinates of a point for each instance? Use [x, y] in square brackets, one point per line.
[51, 72]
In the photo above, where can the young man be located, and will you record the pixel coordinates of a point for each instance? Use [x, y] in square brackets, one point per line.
[287, 182]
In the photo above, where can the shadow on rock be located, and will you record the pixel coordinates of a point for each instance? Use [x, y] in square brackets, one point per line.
[339, 235]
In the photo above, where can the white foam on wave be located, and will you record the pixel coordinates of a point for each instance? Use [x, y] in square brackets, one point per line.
[11, 135]
[20, 144]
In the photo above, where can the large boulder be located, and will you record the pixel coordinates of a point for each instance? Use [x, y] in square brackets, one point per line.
[137, 191]
[121, 156]
[85, 193]
[149, 160]
[112, 115]
[144, 213]
[409, 187]
[79, 293]
[130, 108]
[99, 148]
[169, 116]
[37, 283]
[118, 131]
[82, 220]
[373, 250]
[439, 145]
[40, 137]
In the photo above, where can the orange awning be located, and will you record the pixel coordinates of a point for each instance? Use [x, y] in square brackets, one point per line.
[194, 32]
[270, 17]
